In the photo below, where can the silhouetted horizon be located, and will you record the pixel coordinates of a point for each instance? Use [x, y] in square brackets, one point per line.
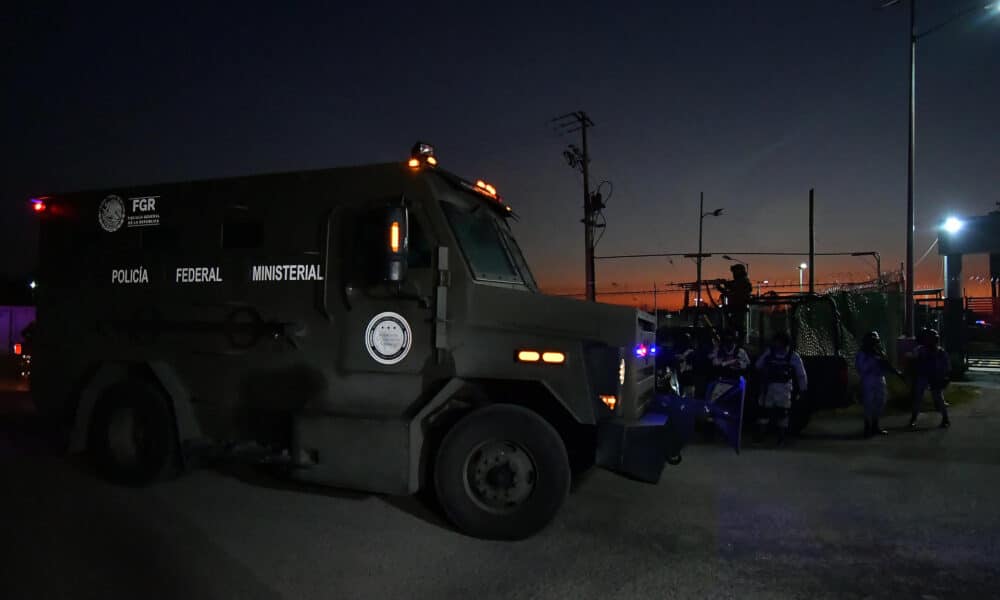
[754, 105]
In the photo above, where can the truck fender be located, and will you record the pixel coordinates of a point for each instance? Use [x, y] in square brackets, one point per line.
[110, 373]
[418, 438]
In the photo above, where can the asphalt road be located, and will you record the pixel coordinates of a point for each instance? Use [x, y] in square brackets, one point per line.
[913, 515]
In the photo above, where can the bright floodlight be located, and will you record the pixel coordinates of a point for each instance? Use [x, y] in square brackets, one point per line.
[953, 225]
[32, 285]
[803, 266]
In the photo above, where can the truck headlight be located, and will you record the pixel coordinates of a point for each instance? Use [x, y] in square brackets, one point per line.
[621, 372]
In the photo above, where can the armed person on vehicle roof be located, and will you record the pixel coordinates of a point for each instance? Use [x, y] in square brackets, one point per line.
[872, 365]
[931, 370]
[782, 376]
[736, 295]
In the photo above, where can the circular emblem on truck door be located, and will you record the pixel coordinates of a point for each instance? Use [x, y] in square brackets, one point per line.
[111, 213]
[388, 338]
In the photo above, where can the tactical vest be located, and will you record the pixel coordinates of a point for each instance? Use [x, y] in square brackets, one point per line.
[778, 369]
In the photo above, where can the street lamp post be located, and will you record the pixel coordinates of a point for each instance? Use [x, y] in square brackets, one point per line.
[802, 268]
[909, 327]
[701, 225]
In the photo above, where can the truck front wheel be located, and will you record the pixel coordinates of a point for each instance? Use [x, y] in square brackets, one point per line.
[132, 434]
[502, 472]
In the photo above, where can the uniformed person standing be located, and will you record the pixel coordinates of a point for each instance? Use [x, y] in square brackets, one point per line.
[872, 365]
[685, 363]
[701, 364]
[728, 358]
[931, 371]
[782, 374]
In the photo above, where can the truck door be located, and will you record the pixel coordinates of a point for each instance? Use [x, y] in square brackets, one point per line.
[385, 329]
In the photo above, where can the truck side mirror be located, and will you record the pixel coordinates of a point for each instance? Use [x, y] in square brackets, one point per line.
[397, 240]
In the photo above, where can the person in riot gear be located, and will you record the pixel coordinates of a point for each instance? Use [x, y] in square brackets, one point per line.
[729, 359]
[667, 362]
[736, 295]
[931, 370]
[872, 365]
[684, 351]
[701, 360]
[782, 375]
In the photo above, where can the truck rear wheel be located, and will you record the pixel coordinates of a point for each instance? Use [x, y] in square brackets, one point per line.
[132, 434]
[502, 472]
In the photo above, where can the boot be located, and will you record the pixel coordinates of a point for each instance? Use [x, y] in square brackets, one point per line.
[878, 430]
[781, 437]
[868, 429]
[913, 421]
[945, 422]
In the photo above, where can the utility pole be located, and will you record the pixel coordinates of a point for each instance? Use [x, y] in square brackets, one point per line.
[701, 223]
[909, 320]
[656, 317]
[588, 212]
[812, 242]
[580, 159]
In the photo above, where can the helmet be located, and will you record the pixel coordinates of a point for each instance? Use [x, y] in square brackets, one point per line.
[738, 269]
[871, 340]
[781, 338]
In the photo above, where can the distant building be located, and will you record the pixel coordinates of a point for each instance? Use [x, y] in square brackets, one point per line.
[13, 320]
[17, 311]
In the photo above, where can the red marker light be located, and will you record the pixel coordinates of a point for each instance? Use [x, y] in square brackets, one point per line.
[17, 349]
[38, 204]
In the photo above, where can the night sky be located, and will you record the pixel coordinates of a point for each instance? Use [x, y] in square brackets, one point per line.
[751, 102]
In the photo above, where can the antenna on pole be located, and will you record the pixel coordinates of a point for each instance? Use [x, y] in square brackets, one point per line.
[579, 158]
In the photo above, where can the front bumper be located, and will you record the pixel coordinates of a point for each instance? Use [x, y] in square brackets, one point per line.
[639, 449]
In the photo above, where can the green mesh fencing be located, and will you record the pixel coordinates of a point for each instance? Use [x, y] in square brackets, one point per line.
[831, 323]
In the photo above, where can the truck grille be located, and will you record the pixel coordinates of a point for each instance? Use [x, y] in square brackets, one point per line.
[640, 379]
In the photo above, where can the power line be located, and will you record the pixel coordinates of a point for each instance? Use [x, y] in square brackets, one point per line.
[708, 254]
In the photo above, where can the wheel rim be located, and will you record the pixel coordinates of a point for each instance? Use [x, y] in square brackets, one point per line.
[126, 436]
[499, 475]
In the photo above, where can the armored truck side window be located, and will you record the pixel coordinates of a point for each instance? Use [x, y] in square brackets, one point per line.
[482, 243]
[364, 245]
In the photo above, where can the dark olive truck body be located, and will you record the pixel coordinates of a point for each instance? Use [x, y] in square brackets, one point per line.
[253, 311]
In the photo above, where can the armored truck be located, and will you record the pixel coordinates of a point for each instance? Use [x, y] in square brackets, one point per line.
[375, 328]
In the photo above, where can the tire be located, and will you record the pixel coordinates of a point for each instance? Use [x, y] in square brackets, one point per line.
[133, 437]
[502, 472]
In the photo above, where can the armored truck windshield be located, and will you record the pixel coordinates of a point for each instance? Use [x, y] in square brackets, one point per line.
[487, 244]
